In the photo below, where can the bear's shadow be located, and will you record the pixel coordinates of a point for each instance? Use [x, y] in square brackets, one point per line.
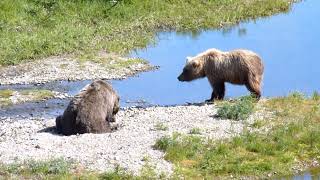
[216, 117]
[175, 105]
[51, 130]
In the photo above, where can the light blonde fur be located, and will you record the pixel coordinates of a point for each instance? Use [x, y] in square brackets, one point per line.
[237, 67]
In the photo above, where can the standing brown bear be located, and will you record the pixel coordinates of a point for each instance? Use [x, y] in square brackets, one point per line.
[91, 111]
[236, 67]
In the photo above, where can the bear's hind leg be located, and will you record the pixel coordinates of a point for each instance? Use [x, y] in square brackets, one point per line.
[218, 92]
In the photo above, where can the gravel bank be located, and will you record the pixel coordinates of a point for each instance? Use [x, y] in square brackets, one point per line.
[25, 139]
[65, 68]
[33, 96]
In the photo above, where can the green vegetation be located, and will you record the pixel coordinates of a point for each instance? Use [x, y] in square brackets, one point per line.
[57, 168]
[37, 94]
[31, 29]
[117, 174]
[6, 93]
[239, 110]
[23, 96]
[127, 63]
[5, 97]
[293, 138]
[258, 123]
[161, 127]
[110, 61]
[60, 169]
[147, 172]
[195, 131]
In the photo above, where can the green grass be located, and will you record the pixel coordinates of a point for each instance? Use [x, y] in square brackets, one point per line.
[161, 127]
[111, 60]
[61, 169]
[37, 94]
[147, 172]
[126, 63]
[24, 95]
[6, 93]
[53, 169]
[294, 138]
[258, 123]
[195, 131]
[239, 110]
[31, 29]
[117, 174]
[5, 97]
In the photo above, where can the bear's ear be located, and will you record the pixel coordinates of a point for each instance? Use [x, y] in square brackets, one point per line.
[195, 64]
[96, 86]
[188, 59]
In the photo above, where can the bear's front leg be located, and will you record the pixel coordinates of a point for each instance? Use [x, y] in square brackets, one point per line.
[218, 92]
[211, 99]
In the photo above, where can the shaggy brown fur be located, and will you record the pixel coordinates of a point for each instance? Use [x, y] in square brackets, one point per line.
[91, 111]
[241, 67]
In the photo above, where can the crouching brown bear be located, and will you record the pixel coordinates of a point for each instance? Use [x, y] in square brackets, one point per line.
[91, 111]
[242, 67]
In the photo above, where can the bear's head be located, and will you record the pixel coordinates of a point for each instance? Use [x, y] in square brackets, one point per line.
[192, 70]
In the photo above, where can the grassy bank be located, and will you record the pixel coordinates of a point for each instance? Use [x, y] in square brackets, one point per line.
[61, 169]
[9, 97]
[292, 142]
[32, 29]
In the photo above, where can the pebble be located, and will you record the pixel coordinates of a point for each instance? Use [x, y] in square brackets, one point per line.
[25, 138]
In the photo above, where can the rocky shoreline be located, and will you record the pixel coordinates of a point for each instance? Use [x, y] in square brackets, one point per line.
[66, 68]
[23, 139]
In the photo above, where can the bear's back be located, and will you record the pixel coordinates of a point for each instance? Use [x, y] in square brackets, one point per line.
[233, 66]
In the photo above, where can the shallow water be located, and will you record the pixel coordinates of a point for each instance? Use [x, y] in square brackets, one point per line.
[288, 43]
[44, 109]
[312, 174]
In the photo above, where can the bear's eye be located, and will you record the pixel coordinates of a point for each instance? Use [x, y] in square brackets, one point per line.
[185, 70]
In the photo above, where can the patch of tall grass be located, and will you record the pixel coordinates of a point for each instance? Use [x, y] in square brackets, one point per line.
[239, 110]
[31, 29]
[294, 139]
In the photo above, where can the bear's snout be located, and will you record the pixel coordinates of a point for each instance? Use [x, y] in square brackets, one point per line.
[180, 78]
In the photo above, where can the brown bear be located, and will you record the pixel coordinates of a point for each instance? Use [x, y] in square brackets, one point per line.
[91, 111]
[236, 67]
